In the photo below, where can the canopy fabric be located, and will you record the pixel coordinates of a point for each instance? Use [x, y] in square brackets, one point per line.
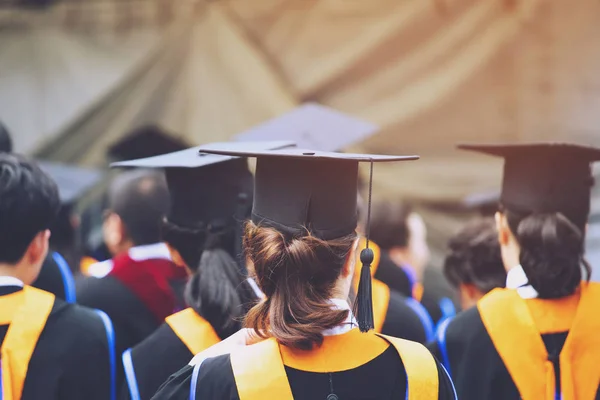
[430, 72]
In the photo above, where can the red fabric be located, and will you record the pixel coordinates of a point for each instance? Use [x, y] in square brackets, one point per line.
[150, 281]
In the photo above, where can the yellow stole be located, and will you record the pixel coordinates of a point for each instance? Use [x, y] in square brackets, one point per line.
[380, 291]
[515, 326]
[193, 330]
[260, 373]
[26, 313]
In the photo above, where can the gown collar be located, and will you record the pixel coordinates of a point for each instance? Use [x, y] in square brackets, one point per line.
[10, 281]
[346, 326]
[517, 279]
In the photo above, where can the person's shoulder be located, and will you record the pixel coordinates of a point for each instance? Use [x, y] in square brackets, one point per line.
[216, 379]
[409, 314]
[78, 322]
[465, 326]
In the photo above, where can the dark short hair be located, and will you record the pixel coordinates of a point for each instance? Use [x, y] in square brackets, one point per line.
[29, 203]
[141, 199]
[5, 140]
[389, 224]
[474, 257]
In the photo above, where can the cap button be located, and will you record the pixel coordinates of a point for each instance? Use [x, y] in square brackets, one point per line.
[309, 153]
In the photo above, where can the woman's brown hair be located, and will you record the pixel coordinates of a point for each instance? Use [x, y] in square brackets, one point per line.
[297, 275]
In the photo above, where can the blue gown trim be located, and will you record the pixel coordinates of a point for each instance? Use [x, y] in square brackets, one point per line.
[110, 336]
[67, 277]
[451, 383]
[441, 342]
[194, 382]
[134, 391]
[423, 315]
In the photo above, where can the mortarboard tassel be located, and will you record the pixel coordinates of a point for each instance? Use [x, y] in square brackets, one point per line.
[364, 299]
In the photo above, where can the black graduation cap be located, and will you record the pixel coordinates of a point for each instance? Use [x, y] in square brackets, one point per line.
[73, 182]
[486, 203]
[299, 190]
[546, 177]
[145, 141]
[204, 188]
[312, 126]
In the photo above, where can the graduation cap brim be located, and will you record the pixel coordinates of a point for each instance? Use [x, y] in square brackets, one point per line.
[313, 126]
[73, 182]
[192, 158]
[584, 153]
[241, 150]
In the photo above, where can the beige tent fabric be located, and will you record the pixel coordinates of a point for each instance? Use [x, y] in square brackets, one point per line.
[431, 73]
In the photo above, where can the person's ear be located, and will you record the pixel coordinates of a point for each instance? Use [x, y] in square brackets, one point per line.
[502, 228]
[350, 263]
[113, 230]
[38, 248]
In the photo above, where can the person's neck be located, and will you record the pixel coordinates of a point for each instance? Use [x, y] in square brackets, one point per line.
[510, 258]
[10, 270]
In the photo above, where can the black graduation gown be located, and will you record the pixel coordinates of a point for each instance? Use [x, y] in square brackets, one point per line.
[71, 360]
[392, 275]
[437, 305]
[56, 277]
[406, 319]
[154, 360]
[383, 377]
[474, 364]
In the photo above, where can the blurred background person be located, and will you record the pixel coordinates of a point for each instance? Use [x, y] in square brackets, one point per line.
[50, 349]
[5, 140]
[211, 197]
[140, 286]
[401, 235]
[474, 264]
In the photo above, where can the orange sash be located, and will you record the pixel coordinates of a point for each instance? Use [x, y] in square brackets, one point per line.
[260, 373]
[27, 312]
[515, 326]
[193, 330]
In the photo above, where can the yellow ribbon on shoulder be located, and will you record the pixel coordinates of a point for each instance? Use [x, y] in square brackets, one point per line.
[193, 330]
[27, 312]
[515, 326]
[260, 373]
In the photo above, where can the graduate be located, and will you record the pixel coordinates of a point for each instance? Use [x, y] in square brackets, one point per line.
[318, 127]
[473, 264]
[300, 246]
[211, 196]
[49, 349]
[538, 338]
[141, 285]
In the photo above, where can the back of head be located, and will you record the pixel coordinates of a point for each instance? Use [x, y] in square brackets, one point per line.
[29, 205]
[474, 257]
[5, 140]
[389, 224]
[551, 251]
[141, 200]
[297, 275]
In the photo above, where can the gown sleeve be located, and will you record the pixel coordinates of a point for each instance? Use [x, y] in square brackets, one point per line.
[215, 381]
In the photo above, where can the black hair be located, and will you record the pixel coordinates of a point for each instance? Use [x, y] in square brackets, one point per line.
[65, 237]
[141, 200]
[6, 145]
[389, 224]
[29, 204]
[551, 251]
[217, 290]
[474, 257]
